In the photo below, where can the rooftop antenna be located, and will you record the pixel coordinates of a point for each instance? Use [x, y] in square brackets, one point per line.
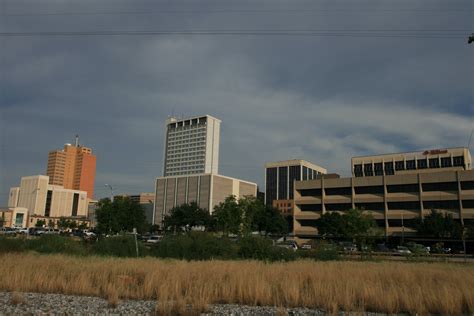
[77, 140]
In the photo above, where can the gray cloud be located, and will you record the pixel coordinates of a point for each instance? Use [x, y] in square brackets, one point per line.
[320, 99]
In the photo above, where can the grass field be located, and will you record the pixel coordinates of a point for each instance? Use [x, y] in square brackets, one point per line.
[388, 287]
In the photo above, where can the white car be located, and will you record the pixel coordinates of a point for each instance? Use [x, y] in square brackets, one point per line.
[154, 239]
[21, 230]
[402, 250]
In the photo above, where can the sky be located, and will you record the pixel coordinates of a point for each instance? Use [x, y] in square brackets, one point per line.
[375, 77]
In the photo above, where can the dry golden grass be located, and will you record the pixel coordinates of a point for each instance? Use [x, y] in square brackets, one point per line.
[180, 287]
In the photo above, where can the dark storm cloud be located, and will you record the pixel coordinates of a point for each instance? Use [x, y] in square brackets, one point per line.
[323, 99]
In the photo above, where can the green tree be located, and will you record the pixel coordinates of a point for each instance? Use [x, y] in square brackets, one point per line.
[72, 224]
[439, 225]
[63, 223]
[228, 216]
[121, 215]
[247, 215]
[51, 223]
[271, 221]
[82, 226]
[352, 224]
[187, 216]
[40, 223]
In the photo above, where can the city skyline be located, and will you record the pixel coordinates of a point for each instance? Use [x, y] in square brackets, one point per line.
[322, 99]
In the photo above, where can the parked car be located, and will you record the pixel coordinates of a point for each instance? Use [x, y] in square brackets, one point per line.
[383, 248]
[402, 250]
[154, 239]
[7, 231]
[306, 246]
[288, 245]
[418, 248]
[348, 247]
[21, 230]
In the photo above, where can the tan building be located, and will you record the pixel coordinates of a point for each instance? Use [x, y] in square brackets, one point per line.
[45, 201]
[409, 162]
[279, 179]
[391, 199]
[207, 190]
[73, 168]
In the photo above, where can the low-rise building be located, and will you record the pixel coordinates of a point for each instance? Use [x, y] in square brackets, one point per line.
[207, 190]
[46, 202]
[396, 201]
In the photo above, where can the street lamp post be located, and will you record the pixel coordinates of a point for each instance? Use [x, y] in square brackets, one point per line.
[403, 231]
[111, 192]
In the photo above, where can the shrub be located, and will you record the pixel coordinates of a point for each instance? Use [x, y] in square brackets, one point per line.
[12, 244]
[323, 251]
[56, 244]
[194, 246]
[119, 246]
[255, 248]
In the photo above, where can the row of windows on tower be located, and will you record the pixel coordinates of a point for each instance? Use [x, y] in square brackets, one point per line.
[189, 123]
[389, 168]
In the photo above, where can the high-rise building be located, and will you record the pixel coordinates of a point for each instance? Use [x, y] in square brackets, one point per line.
[279, 179]
[73, 168]
[191, 146]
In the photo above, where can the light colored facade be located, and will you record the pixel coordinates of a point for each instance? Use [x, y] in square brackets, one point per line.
[412, 162]
[207, 190]
[43, 200]
[391, 199]
[73, 168]
[191, 146]
[279, 179]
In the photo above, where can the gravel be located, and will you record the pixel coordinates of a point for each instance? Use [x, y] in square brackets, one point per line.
[58, 304]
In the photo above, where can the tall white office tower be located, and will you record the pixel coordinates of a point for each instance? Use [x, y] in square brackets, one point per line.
[191, 146]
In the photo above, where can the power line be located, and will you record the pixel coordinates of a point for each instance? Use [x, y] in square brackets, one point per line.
[417, 34]
[230, 11]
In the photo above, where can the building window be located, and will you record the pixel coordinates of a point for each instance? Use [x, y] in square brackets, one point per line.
[411, 165]
[295, 175]
[283, 183]
[422, 164]
[271, 186]
[446, 162]
[399, 165]
[458, 161]
[388, 168]
[378, 168]
[75, 204]
[305, 173]
[47, 209]
[434, 162]
[358, 170]
[368, 170]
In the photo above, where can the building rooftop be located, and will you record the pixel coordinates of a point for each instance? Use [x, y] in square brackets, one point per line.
[295, 162]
